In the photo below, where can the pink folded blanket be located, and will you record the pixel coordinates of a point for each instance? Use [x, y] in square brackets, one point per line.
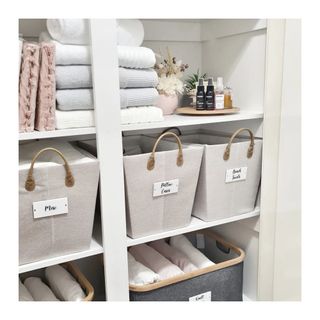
[174, 255]
[155, 261]
[46, 100]
[28, 86]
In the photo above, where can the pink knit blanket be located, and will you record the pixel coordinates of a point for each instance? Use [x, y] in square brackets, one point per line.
[28, 86]
[46, 100]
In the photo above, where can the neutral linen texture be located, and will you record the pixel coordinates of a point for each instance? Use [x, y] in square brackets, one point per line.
[230, 198]
[75, 99]
[147, 214]
[176, 256]
[39, 290]
[28, 86]
[68, 54]
[77, 31]
[46, 102]
[63, 284]
[137, 78]
[138, 97]
[183, 244]
[73, 77]
[155, 261]
[141, 115]
[61, 234]
[24, 294]
[140, 274]
[74, 119]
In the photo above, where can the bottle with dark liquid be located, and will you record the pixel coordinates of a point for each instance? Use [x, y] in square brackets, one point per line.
[210, 97]
[201, 96]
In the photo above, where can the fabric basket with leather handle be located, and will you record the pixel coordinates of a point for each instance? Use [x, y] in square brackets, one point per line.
[230, 173]
[220, 282]
[50, 171]
[159, 162]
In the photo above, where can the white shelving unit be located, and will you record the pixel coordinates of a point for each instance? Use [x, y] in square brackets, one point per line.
[213, 45]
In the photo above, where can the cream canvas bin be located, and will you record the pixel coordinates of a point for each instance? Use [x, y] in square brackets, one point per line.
[229, 176]
[149, 210]
[62, 171]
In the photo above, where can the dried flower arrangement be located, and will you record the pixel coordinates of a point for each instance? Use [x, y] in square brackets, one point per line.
[170, 71]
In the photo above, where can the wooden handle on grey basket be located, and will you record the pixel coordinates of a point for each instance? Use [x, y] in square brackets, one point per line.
[226, 154]
[30, 183]
[151, 160]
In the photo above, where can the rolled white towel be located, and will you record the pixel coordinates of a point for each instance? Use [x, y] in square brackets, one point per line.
[24, 294]
[197, 258]
[130, 32]
[135, 97]
[39, 290]
[63, 284]
[140, 274]
[75, 99]
[73, 77]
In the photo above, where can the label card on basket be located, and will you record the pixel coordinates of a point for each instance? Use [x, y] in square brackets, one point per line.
[165, 187]
[236, 174]
[49, 208]
[206, 296]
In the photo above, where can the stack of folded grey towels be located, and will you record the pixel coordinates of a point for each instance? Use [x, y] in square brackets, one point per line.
[74, 94]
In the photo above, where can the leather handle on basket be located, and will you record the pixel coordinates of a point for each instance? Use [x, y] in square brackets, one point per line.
[30, 183]
[226, 154]
[151, 160]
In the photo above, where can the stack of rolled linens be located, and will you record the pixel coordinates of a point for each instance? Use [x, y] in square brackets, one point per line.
[74, 94]
[160, 260]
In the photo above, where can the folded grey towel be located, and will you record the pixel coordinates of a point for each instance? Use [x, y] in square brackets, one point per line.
[74, 99]
[141, 78]
[73, 77]
[138, 97]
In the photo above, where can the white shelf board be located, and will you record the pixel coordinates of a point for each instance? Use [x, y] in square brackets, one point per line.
[195, 224]
[56, 133]
[95, 248]
[176, 120]
[246, 298]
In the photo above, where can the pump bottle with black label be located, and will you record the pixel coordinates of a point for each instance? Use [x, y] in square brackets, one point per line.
[201, 96]
[210, 97]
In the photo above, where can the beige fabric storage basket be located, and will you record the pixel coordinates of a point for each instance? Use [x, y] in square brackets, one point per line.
[229, 176]
[148, 213]
[61, 171]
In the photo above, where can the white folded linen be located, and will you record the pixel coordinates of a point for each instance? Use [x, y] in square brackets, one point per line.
[196, 257]
[24, 294]
[68, 54]
[136, 57]
[73, 77]
[135, 97]
[77, 31]
[63, 284]
[74, 99]
[69, 31]
[140, 274]
[39, 290]
[137, 78]
[141, 115]
[74, 119]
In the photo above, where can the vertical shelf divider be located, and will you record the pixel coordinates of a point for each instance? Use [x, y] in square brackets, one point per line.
[109, 148]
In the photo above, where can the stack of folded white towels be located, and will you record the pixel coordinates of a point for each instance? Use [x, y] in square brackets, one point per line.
[74, 94]
[160, 260]
[59, 284]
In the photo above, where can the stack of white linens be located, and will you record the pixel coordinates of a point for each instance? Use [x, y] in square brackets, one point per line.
[74, 94]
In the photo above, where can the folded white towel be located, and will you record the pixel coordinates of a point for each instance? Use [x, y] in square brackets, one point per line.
[77, 31]
[136, 57]
[73, 77]
[68, 54]
[69, 31]
[39, 290]
[74, 119]
[141, 78]
[197, 258]
[135, 97]
[140, 274]
[24, 294]
[63, 284]
[141, 115]
[74, 99]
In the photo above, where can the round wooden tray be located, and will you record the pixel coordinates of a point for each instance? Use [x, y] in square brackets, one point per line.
[193, 112]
